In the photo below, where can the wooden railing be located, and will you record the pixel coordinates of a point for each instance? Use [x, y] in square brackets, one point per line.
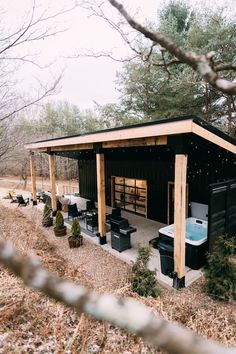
[67, 189]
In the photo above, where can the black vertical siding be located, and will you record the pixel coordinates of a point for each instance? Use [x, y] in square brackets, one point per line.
[87, 179]
[157, 172]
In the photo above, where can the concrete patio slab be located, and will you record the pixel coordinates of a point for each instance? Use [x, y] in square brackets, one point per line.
[146, 230]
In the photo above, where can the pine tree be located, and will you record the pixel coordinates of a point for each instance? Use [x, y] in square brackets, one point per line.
[142, 279]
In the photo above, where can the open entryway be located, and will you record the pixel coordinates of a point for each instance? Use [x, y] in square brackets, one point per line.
[171, 200]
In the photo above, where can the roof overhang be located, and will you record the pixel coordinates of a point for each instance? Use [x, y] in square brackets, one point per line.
[151, 134]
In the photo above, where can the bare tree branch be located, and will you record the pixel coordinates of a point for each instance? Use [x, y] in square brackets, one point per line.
[31, 32]
[225, 66]
[199, 63]
[47, 92]
[91, 54]
[125, 313]
[21, 33]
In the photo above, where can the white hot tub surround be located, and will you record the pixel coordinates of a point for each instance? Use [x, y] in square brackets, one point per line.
[196, 231]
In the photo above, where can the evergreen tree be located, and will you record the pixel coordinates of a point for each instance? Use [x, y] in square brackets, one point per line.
[151, 91]
[221, 272]
[143, 280]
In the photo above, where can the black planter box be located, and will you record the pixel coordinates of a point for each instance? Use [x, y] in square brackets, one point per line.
[120, 242]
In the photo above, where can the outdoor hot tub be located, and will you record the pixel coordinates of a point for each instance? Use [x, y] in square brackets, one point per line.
[195, 241]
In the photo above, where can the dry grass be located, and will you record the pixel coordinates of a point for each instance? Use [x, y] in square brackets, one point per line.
[30, 322]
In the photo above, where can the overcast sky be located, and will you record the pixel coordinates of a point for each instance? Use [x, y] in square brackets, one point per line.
[85, 80]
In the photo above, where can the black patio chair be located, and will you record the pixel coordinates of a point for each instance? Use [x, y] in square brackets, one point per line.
[21, 201]
[92, 222]
[13, 197]
[73, 211]
[46, 199]
[90, 205]
[116, 212]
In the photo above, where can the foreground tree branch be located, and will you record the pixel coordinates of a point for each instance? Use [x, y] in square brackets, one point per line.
[200, 63]
[46, 93]
[122, 312]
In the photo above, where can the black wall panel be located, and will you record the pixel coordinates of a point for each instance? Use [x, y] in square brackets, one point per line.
[157, 168]
[222, 211]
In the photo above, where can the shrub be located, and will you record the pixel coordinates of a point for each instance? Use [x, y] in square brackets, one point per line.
[75, 229]
[46, 211]
[59, 223]
[221, 271]
[142, 279]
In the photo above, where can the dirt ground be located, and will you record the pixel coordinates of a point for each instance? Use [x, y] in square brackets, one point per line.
[14, 182]
[32, 323]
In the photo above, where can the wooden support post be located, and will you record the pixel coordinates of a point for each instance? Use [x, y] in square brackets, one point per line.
[53, 181]
[101, 197]
[33, 177]
[179, 217]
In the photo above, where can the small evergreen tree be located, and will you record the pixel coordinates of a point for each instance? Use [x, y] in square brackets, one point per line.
[46, 211]
[142, 279]
[75, 229]
[75, 240]
[221, 272]
[59, 223]
[47, 219]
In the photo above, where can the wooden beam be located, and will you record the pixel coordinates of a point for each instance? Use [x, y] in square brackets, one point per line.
[74, 147]
[33, 177]
[150, 141]
[101, 194]
[53, 181]
[180, 214]
[152, 130]
[113, 191]
[206, 134]
[115, 138]
[40, 150]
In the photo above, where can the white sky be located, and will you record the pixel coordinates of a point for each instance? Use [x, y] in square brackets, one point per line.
[85, 79]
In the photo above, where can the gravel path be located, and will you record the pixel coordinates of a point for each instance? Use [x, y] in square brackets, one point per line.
[103, 271]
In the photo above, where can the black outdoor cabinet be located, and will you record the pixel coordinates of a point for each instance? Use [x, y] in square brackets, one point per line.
[120, 242]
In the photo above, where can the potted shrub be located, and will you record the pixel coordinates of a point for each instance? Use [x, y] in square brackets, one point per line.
[60, 228]
[76, 239]
[47, 219]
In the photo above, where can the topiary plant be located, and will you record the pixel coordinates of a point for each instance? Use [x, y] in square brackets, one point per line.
[221, 272]
[75, 229]
[46, 211]
[47, 219]
[60, 228]
[142, 279]
[59, 223]
[76, 239]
